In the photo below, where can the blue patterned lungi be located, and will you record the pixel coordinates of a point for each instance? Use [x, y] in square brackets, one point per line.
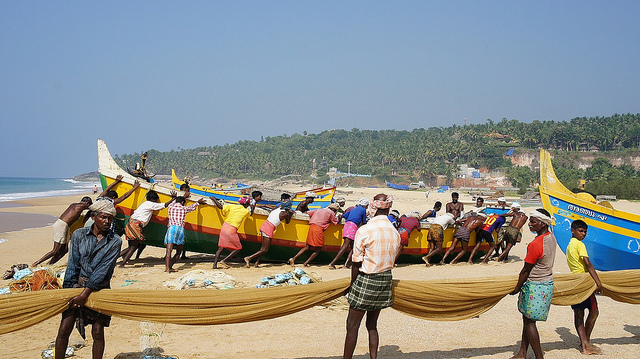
[175, 235]
[535, 299]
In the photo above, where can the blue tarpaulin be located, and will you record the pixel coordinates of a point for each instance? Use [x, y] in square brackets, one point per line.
[397, 186]
[510, 152]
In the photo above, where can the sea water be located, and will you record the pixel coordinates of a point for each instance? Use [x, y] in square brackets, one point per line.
[16, 188]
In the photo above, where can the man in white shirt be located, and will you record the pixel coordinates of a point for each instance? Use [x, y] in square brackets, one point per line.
[139, 219]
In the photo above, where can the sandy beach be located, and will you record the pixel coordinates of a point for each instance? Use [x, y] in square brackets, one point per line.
[25, 235]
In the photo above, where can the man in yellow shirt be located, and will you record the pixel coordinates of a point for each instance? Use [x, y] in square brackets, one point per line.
[578, 261]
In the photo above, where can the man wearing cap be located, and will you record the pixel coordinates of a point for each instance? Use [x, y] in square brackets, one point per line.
[319, 221]
[341, 201]
[94, 251]
[512, 232]
[303, 206]
[374, 251]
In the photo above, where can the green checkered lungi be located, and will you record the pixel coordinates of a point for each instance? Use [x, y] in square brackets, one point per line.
[371, 291]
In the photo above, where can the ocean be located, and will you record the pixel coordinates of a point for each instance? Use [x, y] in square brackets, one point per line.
[16, 188]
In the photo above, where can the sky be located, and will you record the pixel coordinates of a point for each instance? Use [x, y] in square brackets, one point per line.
[183, 74]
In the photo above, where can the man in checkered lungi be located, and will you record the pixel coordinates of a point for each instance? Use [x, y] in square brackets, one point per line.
[375, 248]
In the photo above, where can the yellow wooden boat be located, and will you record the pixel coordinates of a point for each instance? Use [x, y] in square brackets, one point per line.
[202, 227]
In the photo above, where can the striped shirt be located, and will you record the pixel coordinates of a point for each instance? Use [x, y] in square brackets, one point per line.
[376, 245]
[177, 212]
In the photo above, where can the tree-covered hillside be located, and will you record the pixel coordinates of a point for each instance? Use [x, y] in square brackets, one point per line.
[421, 154]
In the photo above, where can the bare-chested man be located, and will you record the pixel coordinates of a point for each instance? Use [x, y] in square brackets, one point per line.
[463, 233]
[512, 232]
[454, 207]
[61, 233]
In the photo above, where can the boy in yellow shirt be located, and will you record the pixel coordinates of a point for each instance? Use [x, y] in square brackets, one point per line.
[578, 261]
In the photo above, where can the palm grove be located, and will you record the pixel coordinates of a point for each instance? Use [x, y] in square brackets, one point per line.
[424, 154]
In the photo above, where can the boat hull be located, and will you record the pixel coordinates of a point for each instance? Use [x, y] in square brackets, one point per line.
[613, 236]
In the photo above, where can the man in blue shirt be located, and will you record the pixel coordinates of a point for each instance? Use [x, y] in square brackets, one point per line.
[92, 259]
[353, 220]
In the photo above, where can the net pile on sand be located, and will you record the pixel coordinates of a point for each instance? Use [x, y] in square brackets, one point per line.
[202, 279]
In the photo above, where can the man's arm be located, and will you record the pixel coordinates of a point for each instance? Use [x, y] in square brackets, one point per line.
[136, 184]
[173, 198]
[594, 274]
[110, 187]
[216, 202]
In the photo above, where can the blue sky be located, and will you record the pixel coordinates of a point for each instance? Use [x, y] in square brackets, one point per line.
[161, 75]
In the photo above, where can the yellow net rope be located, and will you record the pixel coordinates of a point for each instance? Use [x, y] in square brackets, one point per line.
[441, 300]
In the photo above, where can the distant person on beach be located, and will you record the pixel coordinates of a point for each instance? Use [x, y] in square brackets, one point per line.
[578, 261]
[304, 205]
[93, 256]
[435, 236]
[141, 216]
[375, 248]
[319, 221]
[485, 233]
[463, 234]
[535, 282]
[175, 231]
[512, 232]
[234, 215]
[454, 207]
[95, 189]
[406, 225]
[268, 227]
[353, 220]
[61, 228]
[432, 212]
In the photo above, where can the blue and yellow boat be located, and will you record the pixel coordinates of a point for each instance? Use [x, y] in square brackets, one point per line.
[324, 195]
[613, 238]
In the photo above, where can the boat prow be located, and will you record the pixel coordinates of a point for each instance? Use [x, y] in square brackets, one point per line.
[613, 237]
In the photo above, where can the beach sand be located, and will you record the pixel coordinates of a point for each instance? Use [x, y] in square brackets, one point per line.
[318, 332]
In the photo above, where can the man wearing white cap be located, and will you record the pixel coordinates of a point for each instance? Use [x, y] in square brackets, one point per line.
[512, 232]
[303, 206]
[92, 259]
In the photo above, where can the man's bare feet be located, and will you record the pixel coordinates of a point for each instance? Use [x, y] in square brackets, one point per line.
[591, 350]
[223, 265]
[306, 265]
[292, 262]
[248, 263]
[331, 266]
[426, 261]
[519, 356]
[170, 270]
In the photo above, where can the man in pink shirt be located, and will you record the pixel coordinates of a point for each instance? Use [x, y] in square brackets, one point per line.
[375, 249]
[319, 221]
